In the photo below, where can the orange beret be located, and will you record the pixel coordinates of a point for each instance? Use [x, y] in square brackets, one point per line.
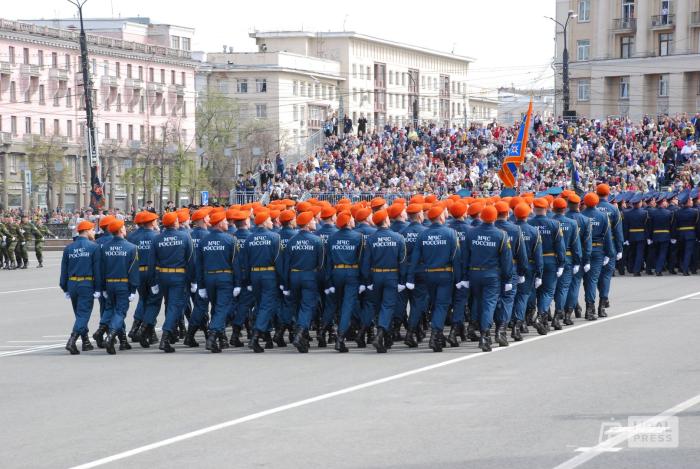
[488, 214]
[417, 199]
[400, 200]
[559, 203]
[362, 214]
[343, 219]
[574, 199]
[447, 203]
[313, 201]
[216, 217]
[541, 203]
[200, 214]
[85, 225]
[303, 207]
[591, 199]
[379, 216]
[145, 217]
[431, 198]
[259, 209]
[235, 207]
[287, 216]
[427, 206]
[377, 202]
[327, 212]
[304, 218]
[515, 201]
[344, 200]
[315, 209]
[414, 208]
[105, 221]
[230, 214]
[458, 209]
[522, 211]
[395, 210]
[274, 213]
[475, 209]
[261, 217]
[169, 219]
[550, 198]
[115, 226]
[240, 215]
[246, 207]
[435, 211]
[256, 204]
[603, 190]
[502, 207]
[183, 215]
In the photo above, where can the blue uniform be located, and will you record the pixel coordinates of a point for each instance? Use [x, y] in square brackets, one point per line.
[400, 311]
[81, 277]
[344, 258]
[616, 231]
[601, 247]
[554, 256]
[687, 232]
[120, 277]
[243, 305]
[287, 313]
[535, 266]
[218, 273]
[661, 225]
[198, 318]
[584, 231]
[143, 238]
[329, 305]
[437, 251]
[303, 261]
[489, 262]
[635, 228]
[460, 295]
[368, 303]
[572, 245]
[418, 297]
[504, 307]
[386, 251]
[105, 306]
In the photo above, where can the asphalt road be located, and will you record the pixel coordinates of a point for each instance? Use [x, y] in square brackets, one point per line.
[540, 403]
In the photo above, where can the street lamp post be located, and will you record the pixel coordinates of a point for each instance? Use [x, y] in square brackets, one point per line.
[565, 60]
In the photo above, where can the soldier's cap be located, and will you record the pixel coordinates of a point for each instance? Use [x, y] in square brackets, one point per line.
[559, 204]
[549, 197]
[259, 209]
[256, 204]
[435, 211]
[554, 191]
[327, 212]
[304, 218]
[235, 207]
[522, 211]
[602, 190]
[315, 209]
[379, 216]
[502, 207]
[636, 198]
[105, 221]
[432, 198]
[115, 226]
[515, 201]
[230, 214]
[489, 214]
[169, 219]
[344, 200]
[414, 208]
[540, 194]
[275, 213]
[458, 209]
[454, 197]
[85, 225]
[343, 219]
[447, 203]
[303, 207]
[426, 206]
[574, 199]
[475, 209]
[246, 206]
[377, 202]
[286, 216]
[200, 214]
[362, 214]
[417, 199]
[591, 199]
[183, 215]
[342, 208]
[262, 217]
[240, 216]
[313, 201]
[395, 210]
[144, 217]
[400, 200]
[565, 193]
[217, 217]
[541, 202]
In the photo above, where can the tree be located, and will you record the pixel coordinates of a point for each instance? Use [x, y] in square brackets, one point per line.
[46, 161]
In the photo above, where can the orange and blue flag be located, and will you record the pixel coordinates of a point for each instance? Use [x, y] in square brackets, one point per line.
[516, 153]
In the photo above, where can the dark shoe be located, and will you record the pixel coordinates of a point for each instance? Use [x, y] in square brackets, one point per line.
[223, 340]
[435, 343]
[134, 330]
[340, 345]
[578, 312]
[254, 343]
[370, 334]
[462, 332]
[278, 338]
[165, 342]
[638, 274]
[109, 342]
[181, 329]
[154, 337]
[523, 328]
[567, 317]
[189, 337]
[452, 337]
[269, 344]
[300, 341]
[541, 324]
[321, 337]
[212, 343]
[235, 337]
[516, 335]
[123, 341]
[501, 337]
[378, 342]
[396, 331]
[360, 338]
[601, 310]
[146, 331]
[471, 331]
[556, 322]
[606, 302]
[659, 274]
[70, 345]
[205, 327]
[485, 341]
[99, 335]
[530, 316]
[590, 312]
[332, 336]
[410, 339]
[87, 346]
[41, 265]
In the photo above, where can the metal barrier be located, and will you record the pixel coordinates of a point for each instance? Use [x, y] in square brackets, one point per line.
[334, 197]
[246, 197]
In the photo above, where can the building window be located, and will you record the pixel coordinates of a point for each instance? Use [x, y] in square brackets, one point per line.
[403, 79]
[130, 131]
[391, 77]
[119, 102]
[150, 74]
[56, 100]
[67, 62]
[105, 68]
[140, 72]
[626, 44]
[242, 85]
[624, 87]
[663, 86]
[261, 111]
[69, 103]
[107, 130]
[665, 41]
[11, 55]
[13, 92]
[54, 60]
[128, 70]
[627, 9]
[185, 43]
[42, 95]
[162, 75]
[354, 70]
[56, 127]
[175, 42]
[295, 88]
[584, 90]
[172, 77]
[182, 78]
[42, 127]
[261, 85]
[142, 133]
[295, 113]
[119, 132]
[583, 48]
[27, 125]
[584, 10]
[69, 128]
[25, 56]
[142, 105]
[13, 125]
[302, 114]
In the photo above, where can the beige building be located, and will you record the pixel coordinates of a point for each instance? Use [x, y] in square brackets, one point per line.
[383, 79]
[630, 57]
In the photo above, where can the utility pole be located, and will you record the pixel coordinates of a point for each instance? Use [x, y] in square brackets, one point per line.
[341, 113]
[565, 61]
[92, 148]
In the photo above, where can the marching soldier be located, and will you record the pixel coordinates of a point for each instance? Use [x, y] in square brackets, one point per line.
[4, 242]
[687, 231]
[635, 227]
[200, 304]
[243, 304]
[418, 297]
[328, 303]
[602, 250]
[460, 295]
[24, 230]
[572, 263]
[367, 297]
[40, 232]
[533, 273]
[81, 280]
[584, 229]
[286, 315]
[662, 225]
[11, 242]
[105, 306]
[603, 191]
[397, 223]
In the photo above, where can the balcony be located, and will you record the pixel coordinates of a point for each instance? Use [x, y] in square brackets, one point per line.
[5, 138]
[109, 142]
[134, 145]
[661, 22]
[58, 74]
[30, 70]
[695, 19]
[134, 83]
[109, 82]
[5, 68]
[624, 25]
[179, 90]
[32, 139]
[156, 87]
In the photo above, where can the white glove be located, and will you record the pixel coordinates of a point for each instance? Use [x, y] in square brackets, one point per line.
[96, 294]
[132, 297]
[538, 282]
[403, 287]
[587, 267]
[410, 285]
[282, 287]
[606, 260]
[202, 293]
[23, 243]
[626, 243]
[286, 292]
[362, 288]
[465, 283]
[560, 272]
[236, 291]
[331, 290]
[104, 295]
[458, 285]
[327, 291]
[67, 295]
[249, 288]
[508, 287]
[155, 289]
[618, 256]
[575, 269]
[649, 242]
[370, 287]
[521, 280]
[193, 287]
[673, 241]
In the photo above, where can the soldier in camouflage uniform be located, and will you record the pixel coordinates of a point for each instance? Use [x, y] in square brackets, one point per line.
[4, 240]
[13, 229]
[24, 230]
[40, 231]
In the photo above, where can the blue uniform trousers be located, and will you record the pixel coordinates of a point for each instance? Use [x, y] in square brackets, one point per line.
[200, 306]
[172, 286]
[401, 301]
[265, 295]
[485, 289]
[220, 292]
[522, 296]
[286, 316]
[346, 283]
[329, 306]
[605, 278]
[563, 286]
[636, 256]
[574, 289]
[243, 307]
[661, 252]
[545, 294]
[118, 298]
[81, 300]
[504, 307]
[418, 300]
[304, 296]
[440, 285]
[385, 292]
[590, 278]
[459, 305]
[368, 308]
[686, 249]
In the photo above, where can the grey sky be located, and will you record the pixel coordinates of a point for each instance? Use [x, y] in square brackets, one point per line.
[510, 39]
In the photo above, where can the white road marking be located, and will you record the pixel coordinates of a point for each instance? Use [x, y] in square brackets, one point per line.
[584, 449]
[28, 289]
[31, 341]
[611, 443]
[38, 348]
[358, 387]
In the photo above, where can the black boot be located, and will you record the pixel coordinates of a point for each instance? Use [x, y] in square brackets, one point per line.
[205, 327]
[181, 329]
[340, 344]
[567, 317]
[269, 344]
[396, 330]
[541, 324]
[370, 334]
[485, 341]
[501, 335]
[153, 339]
[123, 341]
[254, 343]
[70, 345]
[223, 340]
[410, 339]
[145, 333]
[530, 316]
[556, 321]
[87, 346]
[41, 264]
[212, 344]
[300, 342]
[578, 312]
[590, 312]
[471, 331]
[462, 332]
[165, 342]
[452, 336]
[601, 309]
[360, 338]
[99, 335]
[332, 336]
[235, 337]
[606, 302]
[435, 342]
[109, 342]
[189, 340]
[321, 337]
[515, 334]
[134, 329]
[378, 342]
[523, 328]
[279, 337]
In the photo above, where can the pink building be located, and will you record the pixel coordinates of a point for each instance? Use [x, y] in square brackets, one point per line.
[143, 85]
